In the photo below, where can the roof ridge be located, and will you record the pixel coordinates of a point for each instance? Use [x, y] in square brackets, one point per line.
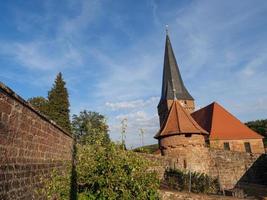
[178, 118]
[231, 115]
[165, 121]
[212, 114]
[191, 119]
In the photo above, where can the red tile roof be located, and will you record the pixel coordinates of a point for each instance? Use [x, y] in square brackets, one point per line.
[222, 125]
[179, 121]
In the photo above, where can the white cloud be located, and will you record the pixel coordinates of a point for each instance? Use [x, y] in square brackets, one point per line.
[136, 121]
[139, 103]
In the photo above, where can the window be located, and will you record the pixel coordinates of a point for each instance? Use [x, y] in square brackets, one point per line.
[226, 146]
[188, 135]
[185, 102]
[247, 147]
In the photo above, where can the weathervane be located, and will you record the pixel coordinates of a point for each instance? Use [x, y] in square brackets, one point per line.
[167, 26]
[167, 29]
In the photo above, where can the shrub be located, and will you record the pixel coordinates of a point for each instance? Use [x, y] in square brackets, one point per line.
[200, 182]
[106, 172]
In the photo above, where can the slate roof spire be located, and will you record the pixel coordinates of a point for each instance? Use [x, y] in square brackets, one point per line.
[172, 80]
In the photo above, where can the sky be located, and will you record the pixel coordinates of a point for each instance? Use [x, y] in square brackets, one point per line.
[111, 55]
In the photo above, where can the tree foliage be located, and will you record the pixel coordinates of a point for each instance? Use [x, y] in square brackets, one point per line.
[260, 126]
[107, 172]
[58, 103]
[88, 126]
[39, 103]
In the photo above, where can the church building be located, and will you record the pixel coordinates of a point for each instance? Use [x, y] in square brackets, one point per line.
[181, 127]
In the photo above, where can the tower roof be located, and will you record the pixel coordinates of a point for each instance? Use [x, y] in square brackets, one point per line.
[222, 125]
[172, 82]
[179, 121]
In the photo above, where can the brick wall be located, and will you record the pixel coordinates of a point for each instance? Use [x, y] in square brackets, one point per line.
[30, 146]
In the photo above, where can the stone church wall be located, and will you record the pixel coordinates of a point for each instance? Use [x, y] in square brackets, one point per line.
[233, 169]
[30, 146]
[256, 145]
[236, 168]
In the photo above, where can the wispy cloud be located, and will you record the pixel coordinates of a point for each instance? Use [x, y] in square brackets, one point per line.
[139, 103]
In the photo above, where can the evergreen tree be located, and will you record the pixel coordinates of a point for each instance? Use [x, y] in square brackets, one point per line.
[58, 106]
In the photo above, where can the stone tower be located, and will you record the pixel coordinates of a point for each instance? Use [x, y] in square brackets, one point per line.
[180, 136]
[172, 85]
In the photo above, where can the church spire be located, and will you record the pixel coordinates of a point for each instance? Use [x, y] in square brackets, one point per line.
[172, 80]
[172, 85]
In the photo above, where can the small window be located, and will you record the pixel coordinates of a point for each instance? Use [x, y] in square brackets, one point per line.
[185, 102]
[247, 147]
[226, 146]
[188, 135]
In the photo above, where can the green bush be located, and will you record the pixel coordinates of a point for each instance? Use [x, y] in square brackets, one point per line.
[106, 172]
[200, 182]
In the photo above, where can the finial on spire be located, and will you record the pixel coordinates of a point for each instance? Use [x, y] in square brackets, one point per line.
[167, 31]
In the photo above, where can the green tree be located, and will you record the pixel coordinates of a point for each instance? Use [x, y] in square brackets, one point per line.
[106, 172]
[58, 106]
[88, 126]
[40, 103]
[260, 126]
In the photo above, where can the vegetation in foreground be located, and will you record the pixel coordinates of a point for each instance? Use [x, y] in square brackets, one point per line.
[191, 181]
[105, 172]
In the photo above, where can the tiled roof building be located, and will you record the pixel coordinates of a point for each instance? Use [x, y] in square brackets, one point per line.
[226, 131]
[186, 136]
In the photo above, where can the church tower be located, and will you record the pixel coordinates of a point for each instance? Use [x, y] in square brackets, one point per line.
[180, 136]
[172, 85]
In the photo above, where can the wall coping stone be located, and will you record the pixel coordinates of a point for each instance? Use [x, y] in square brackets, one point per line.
[12, 94]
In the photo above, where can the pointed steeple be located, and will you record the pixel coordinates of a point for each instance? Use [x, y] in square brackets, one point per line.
[172, 80]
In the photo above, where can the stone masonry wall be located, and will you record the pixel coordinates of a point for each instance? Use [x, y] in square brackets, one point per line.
[188, 151]
[30, 146]
[236, 168]
[256, 145]
[232, 168]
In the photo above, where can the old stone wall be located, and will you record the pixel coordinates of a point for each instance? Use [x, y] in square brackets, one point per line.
[233, 169]
[236, 168]
[171, 195]
[256, 145]
[30, 146]
[188, 151]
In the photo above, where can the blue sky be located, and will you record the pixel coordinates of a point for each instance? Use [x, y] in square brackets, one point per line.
[111, 55]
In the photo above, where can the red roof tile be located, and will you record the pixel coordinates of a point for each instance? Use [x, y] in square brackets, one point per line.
[222, 125]
[179, 121]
